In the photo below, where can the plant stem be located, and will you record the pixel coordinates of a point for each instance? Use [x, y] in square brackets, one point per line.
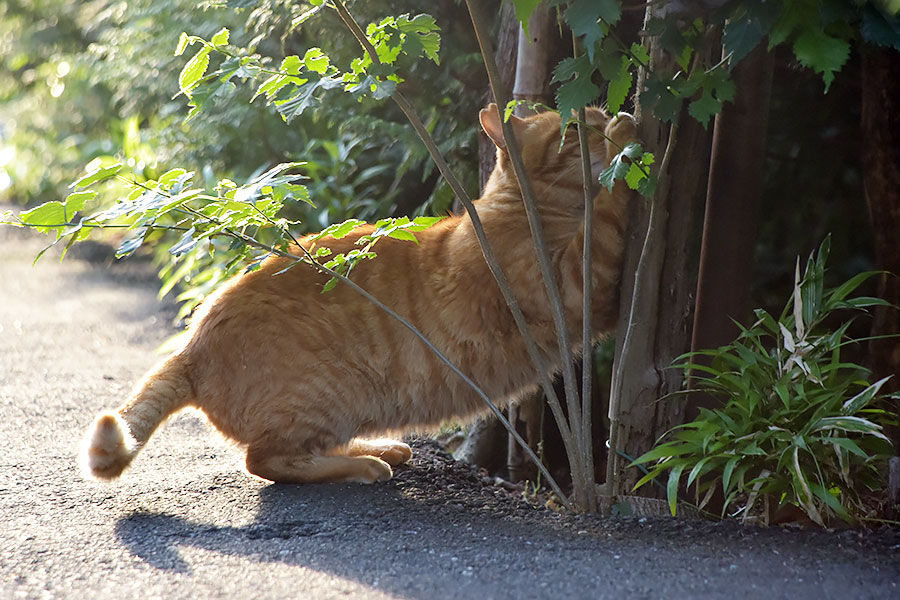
[587, 363]
[550, 284]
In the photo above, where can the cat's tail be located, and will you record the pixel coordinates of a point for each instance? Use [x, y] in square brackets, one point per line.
[115, 438]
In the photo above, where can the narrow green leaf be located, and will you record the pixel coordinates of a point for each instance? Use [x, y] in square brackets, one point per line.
[98, 175]
[402, 234]
[862, 399]
[672, 487]
[727, 472]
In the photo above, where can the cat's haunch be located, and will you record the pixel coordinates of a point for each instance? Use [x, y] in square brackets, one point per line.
[303, 380]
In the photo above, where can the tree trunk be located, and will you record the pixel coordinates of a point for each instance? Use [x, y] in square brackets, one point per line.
[881, 180]
[507, 48]
[732, 207]
[657, 324]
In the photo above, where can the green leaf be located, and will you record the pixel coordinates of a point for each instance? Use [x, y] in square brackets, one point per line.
[422, 36]
[221, 37]
[848, 287]
[862, 399]
[315, 60]
[662, 451]
[619, 86]
[183, 42]
[583, 17]
[185, 244]
[727, 472]
[50, 216]
[849, 424]
[822, 53]
[97, 175]
[672, 487]
[742, 33]
[619, 167]
[879, 28]
[193, 71]
[128, 247]
[291, 64]
[524, 8]
[577, 93]
[849, 445]
[76, 200]
[403, 234]
[662, 98]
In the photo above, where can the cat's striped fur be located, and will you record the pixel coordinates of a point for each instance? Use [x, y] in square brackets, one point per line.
[302, 379]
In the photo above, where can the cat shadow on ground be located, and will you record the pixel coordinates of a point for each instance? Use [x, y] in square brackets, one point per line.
[375, 535]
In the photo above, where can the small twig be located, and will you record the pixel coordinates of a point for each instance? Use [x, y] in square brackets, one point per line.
[587, 363]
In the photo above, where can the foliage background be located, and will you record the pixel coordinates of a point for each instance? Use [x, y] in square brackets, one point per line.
[82, 81]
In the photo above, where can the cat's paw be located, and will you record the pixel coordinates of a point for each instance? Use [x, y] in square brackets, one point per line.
[371, 470]
[390, 451]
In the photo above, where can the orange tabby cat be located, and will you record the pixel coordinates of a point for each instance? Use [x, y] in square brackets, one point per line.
[301, 379]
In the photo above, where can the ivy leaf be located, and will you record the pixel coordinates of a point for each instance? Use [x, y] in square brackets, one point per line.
[822, 53]
[421, 36]
[291, 64]
[661, 98]
[584, 17]
[704, 107]
[619, 165]
[577, 93]
[743, 33]
[76, 200]
[880, 29]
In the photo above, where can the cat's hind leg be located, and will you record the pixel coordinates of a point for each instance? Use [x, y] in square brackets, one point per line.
[390, 451]
[284, 468]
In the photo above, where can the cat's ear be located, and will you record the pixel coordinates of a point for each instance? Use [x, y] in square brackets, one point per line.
[492, 123]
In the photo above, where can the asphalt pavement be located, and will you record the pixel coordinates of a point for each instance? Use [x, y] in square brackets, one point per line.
[186, 521]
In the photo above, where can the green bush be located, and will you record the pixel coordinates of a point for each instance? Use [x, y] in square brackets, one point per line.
[797, 424]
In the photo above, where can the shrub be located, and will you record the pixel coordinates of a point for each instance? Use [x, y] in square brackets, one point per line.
[797, 425]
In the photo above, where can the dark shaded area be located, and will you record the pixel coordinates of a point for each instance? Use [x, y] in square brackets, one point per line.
[466, 533]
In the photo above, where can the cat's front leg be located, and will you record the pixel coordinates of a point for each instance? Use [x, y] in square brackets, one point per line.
[288, 468]
[390, 451]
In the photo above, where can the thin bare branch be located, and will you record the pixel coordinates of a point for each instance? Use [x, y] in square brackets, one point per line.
[540, 246]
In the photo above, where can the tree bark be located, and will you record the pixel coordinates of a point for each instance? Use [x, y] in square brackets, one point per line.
[656, 322]
[732, 207]
[507, 49]
[881, 181]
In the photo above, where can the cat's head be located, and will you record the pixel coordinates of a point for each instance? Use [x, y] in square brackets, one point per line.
[547, 160]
